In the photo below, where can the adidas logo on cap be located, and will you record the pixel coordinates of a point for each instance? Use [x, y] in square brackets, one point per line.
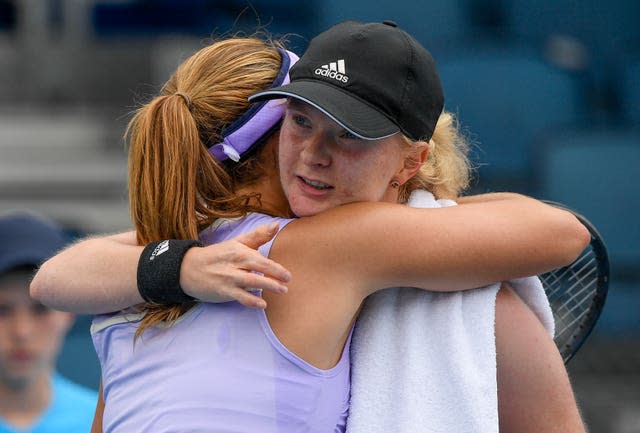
[335, 70]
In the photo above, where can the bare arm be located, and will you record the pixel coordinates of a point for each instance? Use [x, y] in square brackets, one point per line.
[531, 375]
[95, 275]
[491, 238]
[99, 275]
[339, 257]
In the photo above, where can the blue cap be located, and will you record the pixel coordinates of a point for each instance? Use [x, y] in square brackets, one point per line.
[26, 239]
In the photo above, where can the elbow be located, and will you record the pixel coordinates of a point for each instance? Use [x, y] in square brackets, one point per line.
[583, 238]
[39, 288]
[35, 288]
[577, 238]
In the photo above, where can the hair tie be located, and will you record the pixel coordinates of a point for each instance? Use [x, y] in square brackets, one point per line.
[186, 99]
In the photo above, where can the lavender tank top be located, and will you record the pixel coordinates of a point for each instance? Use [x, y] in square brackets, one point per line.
[220, 368]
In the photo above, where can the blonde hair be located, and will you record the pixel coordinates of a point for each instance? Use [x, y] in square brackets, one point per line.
[176, 188]
[446, 173]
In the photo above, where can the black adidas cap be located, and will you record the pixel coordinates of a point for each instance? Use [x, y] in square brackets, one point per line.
[373, 79]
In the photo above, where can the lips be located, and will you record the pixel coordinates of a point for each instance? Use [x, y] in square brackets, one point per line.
[20, 356]
[314, 184]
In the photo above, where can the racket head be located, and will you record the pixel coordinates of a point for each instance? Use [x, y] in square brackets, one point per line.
[577, 292]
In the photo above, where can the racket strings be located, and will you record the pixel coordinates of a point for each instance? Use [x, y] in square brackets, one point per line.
[577, 292]
[571, 291]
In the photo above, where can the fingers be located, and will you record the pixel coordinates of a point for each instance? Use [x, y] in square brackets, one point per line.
[247, 299]
[251, 301]
[259, 236]
[270, 269]
[241, 286]
[261, 264]
[250, 280]
[230, 270]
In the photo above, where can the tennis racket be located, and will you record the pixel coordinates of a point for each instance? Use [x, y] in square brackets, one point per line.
[577, 292]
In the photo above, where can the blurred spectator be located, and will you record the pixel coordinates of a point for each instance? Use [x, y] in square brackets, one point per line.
[33, 397]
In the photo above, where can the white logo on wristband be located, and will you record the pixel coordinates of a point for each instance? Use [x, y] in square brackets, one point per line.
[161, 248]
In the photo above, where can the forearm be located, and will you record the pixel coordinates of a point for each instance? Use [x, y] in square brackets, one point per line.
[450, 248]
[525, 235]
[95, 275]
[552, 233]
[99, 275]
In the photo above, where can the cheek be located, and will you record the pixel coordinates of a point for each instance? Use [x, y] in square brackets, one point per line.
[287, 153]
[368, 179]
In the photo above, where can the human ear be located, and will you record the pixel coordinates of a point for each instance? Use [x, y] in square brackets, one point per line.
[413, 162]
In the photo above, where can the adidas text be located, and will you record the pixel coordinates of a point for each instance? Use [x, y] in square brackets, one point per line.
[335, 70]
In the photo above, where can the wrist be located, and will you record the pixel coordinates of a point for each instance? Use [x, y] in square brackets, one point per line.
[158, 274]
[189, 272]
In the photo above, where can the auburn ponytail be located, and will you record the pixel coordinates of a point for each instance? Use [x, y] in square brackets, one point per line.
[176, 187]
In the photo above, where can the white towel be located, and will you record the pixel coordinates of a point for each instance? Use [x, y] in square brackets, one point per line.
[426, 361]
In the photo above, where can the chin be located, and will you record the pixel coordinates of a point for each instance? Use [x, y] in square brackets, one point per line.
[307, 210]
[299, 213]
[19, 381]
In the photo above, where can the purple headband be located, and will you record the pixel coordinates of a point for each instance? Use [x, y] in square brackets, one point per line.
[246, 131]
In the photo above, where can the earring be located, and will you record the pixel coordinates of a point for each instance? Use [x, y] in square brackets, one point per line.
[394, 184]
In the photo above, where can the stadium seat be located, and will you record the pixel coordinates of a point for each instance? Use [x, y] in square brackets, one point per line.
[620, 315]
[438, 21]
[595, 173]
[505, 96]
[601, 26]
[602, 33]
[7, 15]
[136, 17]
[203, 18]
[630, 90]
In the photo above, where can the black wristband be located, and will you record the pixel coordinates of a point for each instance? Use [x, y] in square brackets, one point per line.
[159, 271]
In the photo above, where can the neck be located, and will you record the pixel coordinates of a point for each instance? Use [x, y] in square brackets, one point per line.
[391, 195]
[21, 405]
[272, 198]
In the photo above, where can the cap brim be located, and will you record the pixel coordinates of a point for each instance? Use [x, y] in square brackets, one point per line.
[28, 240]
[22, 258]
[351, 113]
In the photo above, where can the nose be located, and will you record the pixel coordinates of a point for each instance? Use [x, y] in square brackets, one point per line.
[315, 151]
[22, 324]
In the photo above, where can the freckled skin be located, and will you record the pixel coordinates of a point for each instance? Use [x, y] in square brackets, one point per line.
[315, 148]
